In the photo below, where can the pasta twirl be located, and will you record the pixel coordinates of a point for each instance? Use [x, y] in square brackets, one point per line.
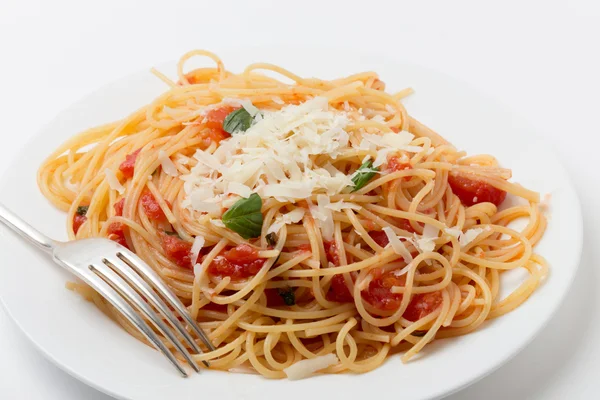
[313, 220]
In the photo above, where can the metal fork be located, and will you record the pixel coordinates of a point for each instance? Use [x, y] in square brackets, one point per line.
[122, 278]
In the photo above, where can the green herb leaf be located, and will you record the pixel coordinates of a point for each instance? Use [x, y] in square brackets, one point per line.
[244, 217]
[82, 210]
[363, 175]
[174, 233]
[271, 239]
[237, 121]
[288, 296]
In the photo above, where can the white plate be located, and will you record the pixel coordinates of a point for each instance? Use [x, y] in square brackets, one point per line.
[78, 338]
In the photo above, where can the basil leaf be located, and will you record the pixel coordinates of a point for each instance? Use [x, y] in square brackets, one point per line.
[244, 217]
[363, 175]
[237, 121]
[288, 296]
[82, 210]
[271, 239]
[169, 233]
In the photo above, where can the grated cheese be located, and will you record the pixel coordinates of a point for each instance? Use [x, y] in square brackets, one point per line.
[196, 247]
[287, 155]
[249, 107]
[342, 205]
[239, 189]
[167, 164]
[292, 217]
[471, 235]
[456, 232]
[323, 216]
[113, 181]
[426, 242]
[397, 245]
[305, 368]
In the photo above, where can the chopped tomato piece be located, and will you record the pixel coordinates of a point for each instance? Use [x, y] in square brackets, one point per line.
[305, 247]
[405, 224]
[238, 262]
[338, 291]
[471, 190]
[422, 304]
[216, 135]
[119, 207]
[332, 253]
[380, 237]
[395, 164]
[215, 117]
[151, 206]
[78, 220]
[214, 122]
[177, 250]
[379, 293]
[215, 307]
[273, 298]
[116, 232]
[128, 165]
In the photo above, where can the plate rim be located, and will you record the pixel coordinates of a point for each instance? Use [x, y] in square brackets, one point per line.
[578, 235]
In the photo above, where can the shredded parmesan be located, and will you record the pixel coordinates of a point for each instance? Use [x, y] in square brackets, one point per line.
[239, 189]
[397, 245]
[470, 235]
[427, 241]
[287, 155]
[292, 217]
[196, 247]
[167, 165]
[305, 368]
[341, 205]
[453, 232]
[217, 222]
[113, 181]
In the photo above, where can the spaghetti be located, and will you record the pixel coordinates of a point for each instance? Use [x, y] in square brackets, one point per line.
[308, 221]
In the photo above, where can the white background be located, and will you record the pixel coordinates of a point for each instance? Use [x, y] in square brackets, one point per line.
[541, 58]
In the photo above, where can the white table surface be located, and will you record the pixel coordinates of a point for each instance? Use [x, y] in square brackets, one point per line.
[539, 57]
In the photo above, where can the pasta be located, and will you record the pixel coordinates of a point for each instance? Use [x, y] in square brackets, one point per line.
[315, 220]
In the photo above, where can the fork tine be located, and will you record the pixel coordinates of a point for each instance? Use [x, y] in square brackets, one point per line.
[144, 270]
[124, 308]
[133, 297]
[138, 283]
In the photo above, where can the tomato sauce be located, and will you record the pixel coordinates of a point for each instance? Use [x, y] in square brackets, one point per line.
[338, 291]
[379, 237]
[151, 206]
[177, 250]
[239, 262]
[118, 206]
[128, 165]
[422, 304]
[214, 123]
[394, 164]
[379, 295]
[78, 220]
[116, 232]
[471, 190]
[331, 251]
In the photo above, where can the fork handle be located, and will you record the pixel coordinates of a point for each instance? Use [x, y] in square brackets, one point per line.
[40, 240]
